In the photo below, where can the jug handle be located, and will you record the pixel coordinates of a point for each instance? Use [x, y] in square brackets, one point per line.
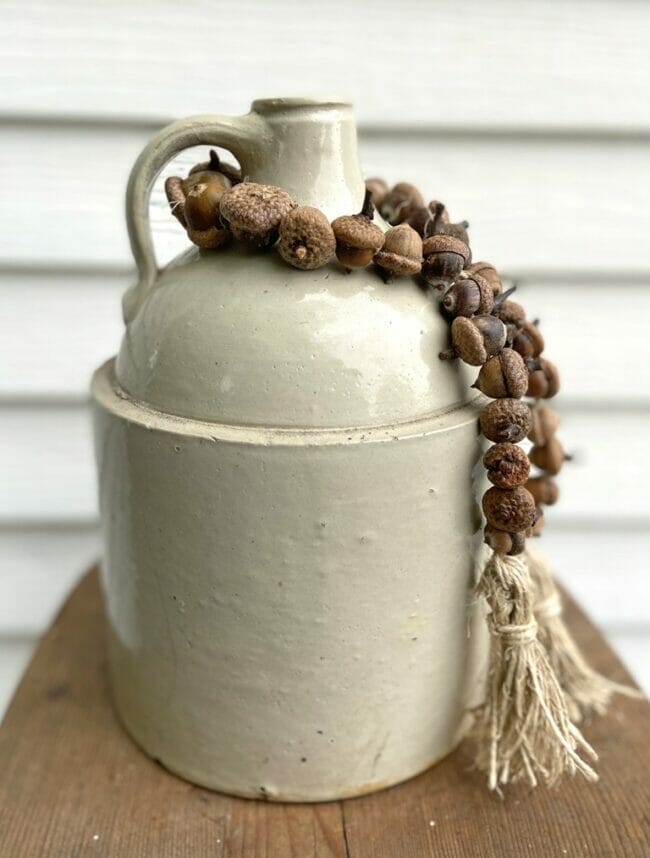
[244, 136]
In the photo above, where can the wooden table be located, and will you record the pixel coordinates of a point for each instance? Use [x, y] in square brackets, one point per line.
[73, 784]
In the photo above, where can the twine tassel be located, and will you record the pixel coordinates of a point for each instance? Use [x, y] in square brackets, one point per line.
[523, 730]
[585, 689]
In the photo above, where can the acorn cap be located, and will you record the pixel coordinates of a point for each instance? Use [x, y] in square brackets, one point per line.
[440, 243]
[504, 375]
[489, 272]
[399, 202]
[505, 420]
[307, 239]
[216, 165]
[176, 198]
[358, 231]
[254, 211]
[401, 252]
[507, 465]
[511, 312]
[378, 189]
[209, 239]
[511, 510]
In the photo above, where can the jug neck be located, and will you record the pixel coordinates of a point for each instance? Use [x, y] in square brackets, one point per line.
[309, 148]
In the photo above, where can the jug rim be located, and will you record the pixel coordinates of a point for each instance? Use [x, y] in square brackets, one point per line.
[270, 105]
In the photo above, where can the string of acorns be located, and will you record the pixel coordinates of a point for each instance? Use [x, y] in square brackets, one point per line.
[488, 329]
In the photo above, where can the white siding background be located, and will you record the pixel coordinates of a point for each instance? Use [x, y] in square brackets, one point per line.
[531, 119]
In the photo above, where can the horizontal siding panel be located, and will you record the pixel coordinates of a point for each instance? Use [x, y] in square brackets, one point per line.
[58, 327]
[14, 658]
[48, 473]
[551, 206]
[39, 566]
[453, 62]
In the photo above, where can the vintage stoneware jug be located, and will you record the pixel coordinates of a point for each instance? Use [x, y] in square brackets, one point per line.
[285, 470]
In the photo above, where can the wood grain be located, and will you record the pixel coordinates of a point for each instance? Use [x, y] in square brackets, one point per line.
[453, 62]
[73, 784]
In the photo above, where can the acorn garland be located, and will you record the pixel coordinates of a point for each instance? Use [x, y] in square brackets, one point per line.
[488, 329]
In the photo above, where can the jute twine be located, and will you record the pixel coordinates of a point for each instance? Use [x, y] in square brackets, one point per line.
[524, 729]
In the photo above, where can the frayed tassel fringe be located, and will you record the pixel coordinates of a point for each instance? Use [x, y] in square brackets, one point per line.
[523, 730]
[586, 691]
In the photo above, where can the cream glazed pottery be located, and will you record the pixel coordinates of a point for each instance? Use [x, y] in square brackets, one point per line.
[286, 488]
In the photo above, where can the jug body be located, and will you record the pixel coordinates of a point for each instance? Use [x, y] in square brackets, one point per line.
[286, 490]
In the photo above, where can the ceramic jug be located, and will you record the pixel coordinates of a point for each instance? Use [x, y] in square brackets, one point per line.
[286, 490]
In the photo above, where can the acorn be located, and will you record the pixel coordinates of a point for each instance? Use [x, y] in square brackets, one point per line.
[544, 489]
[378, 189]
[477, 339]
[545, 422]
[505, 420]
[418, 218]
[502, 542]
[511, 510]
[202, 205]
[528, 340]
[489, 273]
[176, 198]
[468, 296]
[211, 238]
[504, 375]
[401, 252]
[537, 384]
[511, 312]
[357, 237]
[254, 211]
[445, 256]
[550, 457]
[399, 202]
[552, 377]
[213, 170]
[507, 465]
[306, 238]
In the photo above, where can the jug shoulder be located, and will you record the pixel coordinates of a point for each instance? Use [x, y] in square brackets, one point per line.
[239, 337]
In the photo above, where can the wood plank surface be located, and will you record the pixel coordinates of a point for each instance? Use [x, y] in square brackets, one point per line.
[73, 784]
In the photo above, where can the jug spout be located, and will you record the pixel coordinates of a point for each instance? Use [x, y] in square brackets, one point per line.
[310, 150]
[306, 146]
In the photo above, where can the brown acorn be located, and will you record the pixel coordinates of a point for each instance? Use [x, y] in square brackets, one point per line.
[176, 198]
[202, 205]
[211, 238]
[254, 212]
[504, 375]
[511, 312]
[507, 465]
[511, 510]
[357, 237]
[552, 378]
[489, 273]
[502, 542]
[537, 384]
[505, 420]
[445, 256]
[401, 252]
[468, 296]
[545, 422]
[544, 489]
[418, 218]
[528, 340]
[399, 202]
[214, 170]
[306, 238]
[548, 458]
[378, 189]
[477, 339]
